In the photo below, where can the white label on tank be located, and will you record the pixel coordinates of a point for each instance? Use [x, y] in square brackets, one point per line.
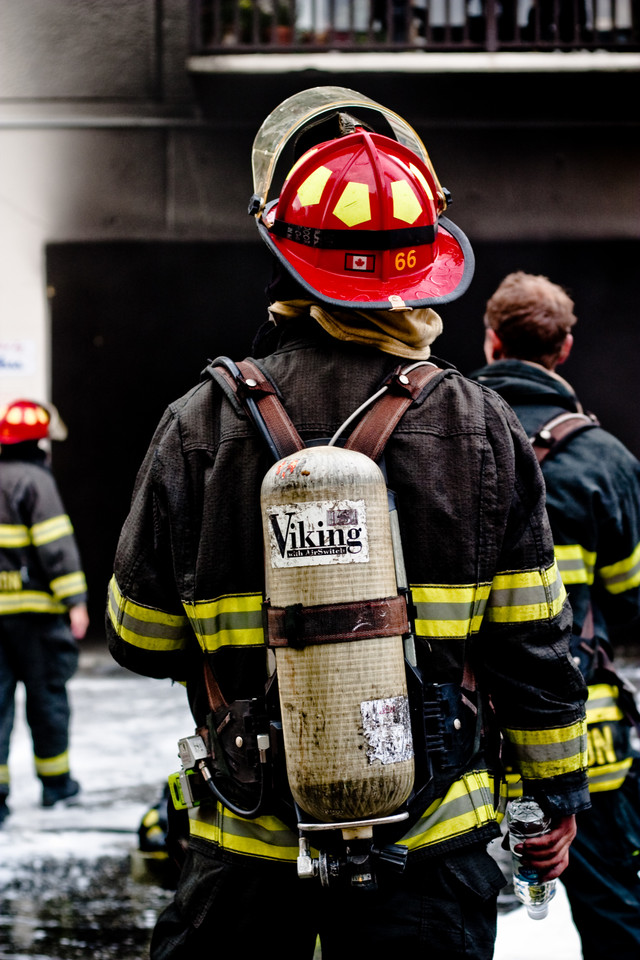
[306, 534]
[387, 730]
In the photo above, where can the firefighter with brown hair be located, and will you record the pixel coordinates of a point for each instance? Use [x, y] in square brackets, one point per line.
[362, 257]
[593, 501]
[43, 594]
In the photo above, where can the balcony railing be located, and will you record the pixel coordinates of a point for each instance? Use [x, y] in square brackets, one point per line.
[276, 26]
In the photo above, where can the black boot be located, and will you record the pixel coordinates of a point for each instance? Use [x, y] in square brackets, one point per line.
[55, 789]
[4, 809]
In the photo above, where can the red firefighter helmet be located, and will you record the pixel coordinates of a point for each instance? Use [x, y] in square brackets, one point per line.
[358, 221]
[23, 420]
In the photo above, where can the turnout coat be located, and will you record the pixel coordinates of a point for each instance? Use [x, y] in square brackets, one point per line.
[489, 603]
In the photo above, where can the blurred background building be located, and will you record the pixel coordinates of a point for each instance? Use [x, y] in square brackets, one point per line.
[127, 257]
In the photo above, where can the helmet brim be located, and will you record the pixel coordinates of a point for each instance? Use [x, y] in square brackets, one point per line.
[445, 279]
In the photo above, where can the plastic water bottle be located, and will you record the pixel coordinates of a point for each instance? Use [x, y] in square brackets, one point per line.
[525, 819]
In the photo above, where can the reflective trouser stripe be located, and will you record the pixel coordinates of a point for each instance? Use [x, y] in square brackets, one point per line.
[52, 766]
[4, 773]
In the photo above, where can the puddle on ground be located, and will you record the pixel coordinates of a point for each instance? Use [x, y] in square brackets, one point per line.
[67, 910]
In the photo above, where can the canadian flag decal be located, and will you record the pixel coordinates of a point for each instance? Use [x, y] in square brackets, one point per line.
[360, 261]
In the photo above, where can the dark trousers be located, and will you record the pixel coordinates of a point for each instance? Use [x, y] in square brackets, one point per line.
[602, 879]
[39, 651]
[443, 908]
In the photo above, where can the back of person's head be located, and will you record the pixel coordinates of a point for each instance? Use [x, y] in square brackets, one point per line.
[531, 316]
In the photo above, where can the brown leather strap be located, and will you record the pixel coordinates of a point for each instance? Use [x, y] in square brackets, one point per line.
[560, 428]
[254, 384]
[298, 626]
[372, 433]
[214, 693]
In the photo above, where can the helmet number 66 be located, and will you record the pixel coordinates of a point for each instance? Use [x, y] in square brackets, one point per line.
[407, 262]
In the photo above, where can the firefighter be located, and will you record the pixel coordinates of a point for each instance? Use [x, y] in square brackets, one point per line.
[593, 502]
[362, 257]
[43, 594]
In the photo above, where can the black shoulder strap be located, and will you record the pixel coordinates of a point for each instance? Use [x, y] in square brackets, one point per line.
[559, 430]
[259, 397]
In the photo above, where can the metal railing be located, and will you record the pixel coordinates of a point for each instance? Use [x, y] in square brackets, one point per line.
[236, 26]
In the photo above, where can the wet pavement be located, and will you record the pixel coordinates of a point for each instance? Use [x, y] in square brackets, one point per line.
[70, 879]
[67, 887]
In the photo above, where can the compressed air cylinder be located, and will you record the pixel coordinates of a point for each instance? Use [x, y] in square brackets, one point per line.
[344, 705]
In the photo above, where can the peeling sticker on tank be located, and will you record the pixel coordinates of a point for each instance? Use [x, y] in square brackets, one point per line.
[387, 730]
[320, 532]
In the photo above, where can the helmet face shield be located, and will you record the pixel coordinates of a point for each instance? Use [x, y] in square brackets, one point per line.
[358, 223]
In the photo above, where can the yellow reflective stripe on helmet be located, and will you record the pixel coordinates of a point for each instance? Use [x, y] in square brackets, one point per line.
[14, 535]
[4, 773]
[52, 766]
[609, 776]
[467, 805]
[449, 611]
[527, 596]
[265, 837]
[29, 601]
[602, 703]
[50, 530]
[145, 627]
[623, 575]
[234, 620]
[550, 753]
[576, 565]
[69, 585]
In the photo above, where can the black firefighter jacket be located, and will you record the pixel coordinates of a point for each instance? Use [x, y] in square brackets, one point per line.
[40, 569]
[593, 501]
[188, 579]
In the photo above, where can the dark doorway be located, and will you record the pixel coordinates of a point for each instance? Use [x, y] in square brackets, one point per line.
[132, 326]
[134, 323]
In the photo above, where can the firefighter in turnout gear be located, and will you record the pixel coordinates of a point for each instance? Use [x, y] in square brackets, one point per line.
[593, 502]
[362, 257]
[43, 595]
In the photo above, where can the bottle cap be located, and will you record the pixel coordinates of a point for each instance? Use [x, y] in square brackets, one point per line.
[537, 911]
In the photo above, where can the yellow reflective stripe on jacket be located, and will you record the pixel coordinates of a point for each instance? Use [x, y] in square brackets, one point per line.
[449, 611]
[49, 530]
[602, 703]
[52, 766]
[4, 773]
[145, 627]
[14, 535]
[265, 837]
[467, 805]
[234, 620]
[566, 746]
[29, 601]
[576, 565]
[623, 575]
[69, 585]
[526, 596]
[609, 776]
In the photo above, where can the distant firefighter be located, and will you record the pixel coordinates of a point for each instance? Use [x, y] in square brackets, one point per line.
[43, 594]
